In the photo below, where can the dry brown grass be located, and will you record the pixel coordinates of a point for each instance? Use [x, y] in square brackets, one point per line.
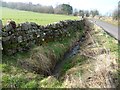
[100, 68]
[109, 20]
[38, 61]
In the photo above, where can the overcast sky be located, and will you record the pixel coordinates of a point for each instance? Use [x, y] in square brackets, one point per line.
[104, 6]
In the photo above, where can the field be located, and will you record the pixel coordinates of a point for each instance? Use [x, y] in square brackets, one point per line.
[39, 18]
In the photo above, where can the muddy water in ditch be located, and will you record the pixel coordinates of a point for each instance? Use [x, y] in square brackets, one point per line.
[57, 70]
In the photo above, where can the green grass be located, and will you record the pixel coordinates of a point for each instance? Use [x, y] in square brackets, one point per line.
[40, 18]
[77, 60]
[50, 82]
[15, 76]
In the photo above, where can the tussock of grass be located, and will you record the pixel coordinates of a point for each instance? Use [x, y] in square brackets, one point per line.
[37, 61]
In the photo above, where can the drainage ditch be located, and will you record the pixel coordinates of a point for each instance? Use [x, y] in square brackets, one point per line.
[75, 49]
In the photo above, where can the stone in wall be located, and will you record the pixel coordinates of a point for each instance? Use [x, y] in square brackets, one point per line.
[25, 35]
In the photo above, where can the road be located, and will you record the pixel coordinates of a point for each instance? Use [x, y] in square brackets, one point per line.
[111, 29]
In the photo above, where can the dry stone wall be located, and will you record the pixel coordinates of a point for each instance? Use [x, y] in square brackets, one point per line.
[16, 38]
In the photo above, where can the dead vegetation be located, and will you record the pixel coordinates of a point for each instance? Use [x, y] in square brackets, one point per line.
[108, 20]
[37, 62]
[100, 68]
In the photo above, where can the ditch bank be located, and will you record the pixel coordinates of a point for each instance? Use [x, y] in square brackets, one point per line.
[70, 53]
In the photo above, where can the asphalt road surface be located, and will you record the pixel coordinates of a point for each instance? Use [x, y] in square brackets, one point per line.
[111, 29]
